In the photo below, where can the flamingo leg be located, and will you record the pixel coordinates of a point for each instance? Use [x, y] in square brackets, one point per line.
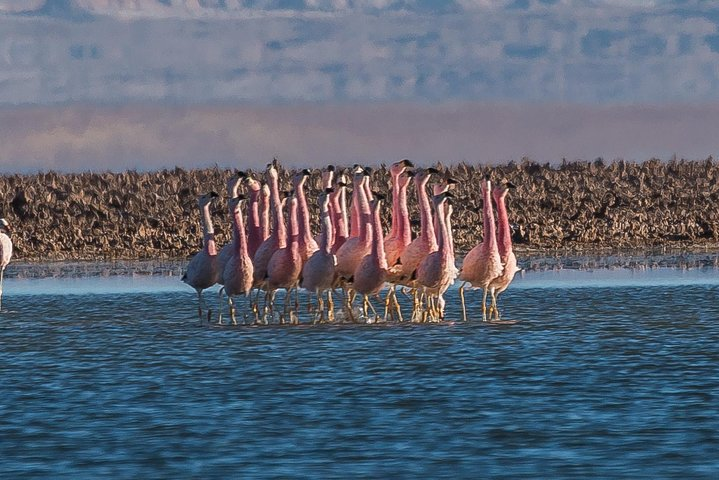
[397, 305]
[330, 306]
[199, 305]
[464, 305]
[219, 304]
[484, 304]
[387, 300]
[232, 310]
[2, 274]
[374, 312]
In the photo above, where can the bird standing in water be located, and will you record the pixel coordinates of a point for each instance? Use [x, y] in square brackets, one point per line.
[5, 250]
[482, 264]
[504, 243]
[202, 271]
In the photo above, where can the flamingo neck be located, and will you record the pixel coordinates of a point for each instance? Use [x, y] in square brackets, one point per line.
[504, 233]
[366, 215]
[378, 252]
[327, 229]
[304, 216]
[208, 232]
[404, 228]
[356, 217]
[294, 230]
[426, 224]
[238, 232]
[490, 232]
[264, 208]
[394, 229]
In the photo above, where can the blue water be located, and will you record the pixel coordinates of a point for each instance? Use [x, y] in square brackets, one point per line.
[605, 373]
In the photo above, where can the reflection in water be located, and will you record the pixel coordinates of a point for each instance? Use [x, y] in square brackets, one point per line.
[113, 377]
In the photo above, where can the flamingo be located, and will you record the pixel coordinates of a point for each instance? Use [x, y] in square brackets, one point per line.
[446, 185]
[328, 176]
[340, 222]
[318, 272]
[400, 233]
[504, 243]
[351, 253]
[308, 246]
[482, 264]
[371, 273]
[437, 271]
[285, 266]
[255, 234]
[202, 271]
[5, 250]
[233, 185]
[426, 242]
[279, 233]
[237, 274]
[264, 206]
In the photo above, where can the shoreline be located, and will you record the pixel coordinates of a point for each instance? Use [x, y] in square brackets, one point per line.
[537, 261]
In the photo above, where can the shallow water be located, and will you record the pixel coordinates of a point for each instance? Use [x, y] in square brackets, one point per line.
[606, 373]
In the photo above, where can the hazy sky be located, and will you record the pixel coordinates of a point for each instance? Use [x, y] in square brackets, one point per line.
[113, 84]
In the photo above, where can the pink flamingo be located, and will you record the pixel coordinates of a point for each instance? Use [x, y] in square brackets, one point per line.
[426, 242]
[437, 271]
[264, 212]
[255, 234]
[351, 253]
[278, 237]
[5, 250]
[202, 271]
[401, 232]
[308, 246]
[338, 210]
[371, 273]
[327, 181]
[318, 273]
[482, 264]
[357, 215]
[233, 185]
[504, 241]
[285, 266]
[237, 274]
[446, 185]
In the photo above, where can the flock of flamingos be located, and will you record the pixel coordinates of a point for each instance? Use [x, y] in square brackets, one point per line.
[351, 254]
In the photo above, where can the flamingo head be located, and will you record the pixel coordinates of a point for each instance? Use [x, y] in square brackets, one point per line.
[235, 202]
[4, 225]
[397, 168]
[207, 199]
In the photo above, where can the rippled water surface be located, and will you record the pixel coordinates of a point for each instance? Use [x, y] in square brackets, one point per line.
[606, 373]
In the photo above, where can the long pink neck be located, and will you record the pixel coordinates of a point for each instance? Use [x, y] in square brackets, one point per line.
[278, 226]
[294, 232]
[338, 212]
[490, 233]
[304, 215]
[394, 229]
[264, 215]
[254, 227]
[426, 224]
[378, 252]
[504, 233]
[208, 232]
[356, 216]
[404, 228]
[238, 231]
[327, 230]
[365, 214]
[443, 241]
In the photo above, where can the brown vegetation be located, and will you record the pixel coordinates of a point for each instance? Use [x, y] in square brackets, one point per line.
[580, 206]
